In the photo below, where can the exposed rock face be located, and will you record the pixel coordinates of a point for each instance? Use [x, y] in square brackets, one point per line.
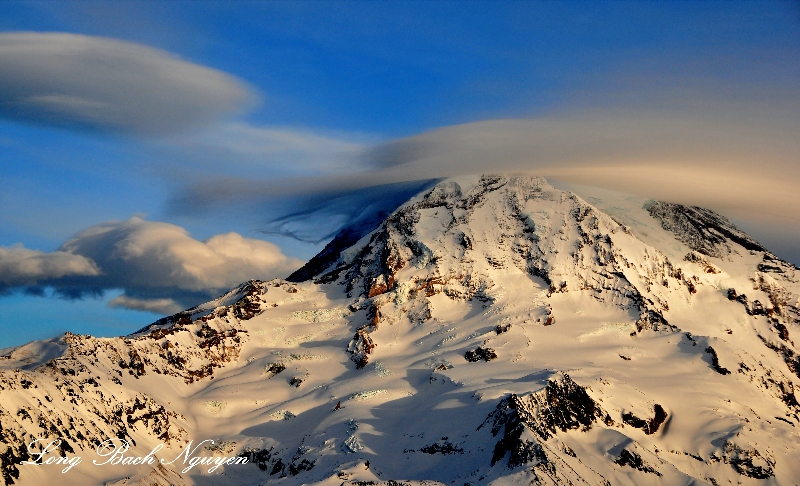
[649, 426]
[702, 230]
[707, 266]
[784, 305]
[634, 460]
[443, 446]
[715, 362]
[477, 354]
[749, 461]
[782, 312]
[215, 340]
[360, 347]
[561, 406]
[237, 300]
[774, 265]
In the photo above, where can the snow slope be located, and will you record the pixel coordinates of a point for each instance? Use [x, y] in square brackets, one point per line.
[493, 329]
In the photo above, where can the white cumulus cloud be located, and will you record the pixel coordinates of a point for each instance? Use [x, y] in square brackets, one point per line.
[159, 266]
[21, 266]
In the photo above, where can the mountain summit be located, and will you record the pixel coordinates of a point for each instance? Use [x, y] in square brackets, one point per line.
[493, 329]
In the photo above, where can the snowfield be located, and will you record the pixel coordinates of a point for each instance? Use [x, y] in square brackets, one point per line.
[493, 330]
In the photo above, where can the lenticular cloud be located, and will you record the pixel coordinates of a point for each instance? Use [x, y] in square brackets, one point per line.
[96, 83]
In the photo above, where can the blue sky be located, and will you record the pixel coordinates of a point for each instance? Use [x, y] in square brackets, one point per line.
[256, 110]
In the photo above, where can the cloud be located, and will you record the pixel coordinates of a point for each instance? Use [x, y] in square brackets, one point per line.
[286, 145]
[266, 150]
[727, 138]
[320, 217]
[97, 83]
[21, 267]
[738, 158]
[159, 266]
[157, 306]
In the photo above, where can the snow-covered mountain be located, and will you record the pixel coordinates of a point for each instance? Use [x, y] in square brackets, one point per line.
[493, 329]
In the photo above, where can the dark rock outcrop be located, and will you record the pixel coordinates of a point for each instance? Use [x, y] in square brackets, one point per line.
[527, 420]
[634, 460]
[649, 426]
[700, 229]
[715, 362]
[749, 461]
[360, 347]
[477, 354]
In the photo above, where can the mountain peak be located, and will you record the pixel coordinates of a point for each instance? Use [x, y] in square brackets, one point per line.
[492, 328]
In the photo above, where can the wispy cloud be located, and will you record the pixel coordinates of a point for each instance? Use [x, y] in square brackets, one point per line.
[97, 83]
[268, 150]
[736, 158]
[158, 306]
